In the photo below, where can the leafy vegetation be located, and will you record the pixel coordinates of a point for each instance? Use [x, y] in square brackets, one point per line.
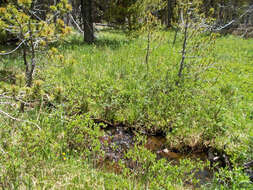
[55, 142]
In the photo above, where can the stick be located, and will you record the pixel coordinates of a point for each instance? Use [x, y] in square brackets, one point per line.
[13, 49]
[16, 119]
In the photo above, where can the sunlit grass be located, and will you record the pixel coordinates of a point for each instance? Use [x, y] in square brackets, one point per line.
[109, 80]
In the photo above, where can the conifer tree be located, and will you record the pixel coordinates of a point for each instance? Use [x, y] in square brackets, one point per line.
[22, 19]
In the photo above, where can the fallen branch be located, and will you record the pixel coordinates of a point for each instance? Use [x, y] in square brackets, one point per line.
[8, 103]
[249, 10]
[19, 120]
[248, 164]
[15, 98]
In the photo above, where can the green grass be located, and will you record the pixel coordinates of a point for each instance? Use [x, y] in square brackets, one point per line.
[112, 81]
[109, 81]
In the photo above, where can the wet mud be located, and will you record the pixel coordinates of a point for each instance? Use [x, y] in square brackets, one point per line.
[118, 140]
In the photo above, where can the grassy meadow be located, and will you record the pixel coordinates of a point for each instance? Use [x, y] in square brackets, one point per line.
[79, 89]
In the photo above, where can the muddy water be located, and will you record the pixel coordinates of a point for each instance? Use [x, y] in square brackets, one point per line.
[157, 144]
[117, 141]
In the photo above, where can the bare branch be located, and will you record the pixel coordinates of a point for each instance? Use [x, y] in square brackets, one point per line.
[2, 150]
[15, 98]
[19, 120]
[78, 27]
[8, 103]
[33, 13]
[249, 10]
[184, 48]
[7, 53]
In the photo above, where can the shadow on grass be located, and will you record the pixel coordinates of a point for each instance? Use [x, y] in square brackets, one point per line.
[12, 60]
[100, 41]
[7, 76]
[111, 43]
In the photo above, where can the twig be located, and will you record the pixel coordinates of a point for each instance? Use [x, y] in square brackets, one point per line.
[15, 98]
[8, 103]
[78, 27]
[3, 94]
[147, 52]
[248, 164]
[249, 10]
[175, 37]
[16, 119]
[2, 150]
[184, 49]
[41, 105]
[13, 49]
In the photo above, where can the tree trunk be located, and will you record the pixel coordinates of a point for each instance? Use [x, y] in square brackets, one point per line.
[88, 31]
[170, 12]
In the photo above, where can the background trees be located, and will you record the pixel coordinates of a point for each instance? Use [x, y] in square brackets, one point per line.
[34, 24]
[130, 14]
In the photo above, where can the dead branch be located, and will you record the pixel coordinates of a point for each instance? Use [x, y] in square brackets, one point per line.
[10, 52]
[19, 120]
[249, 10]
[77, 25]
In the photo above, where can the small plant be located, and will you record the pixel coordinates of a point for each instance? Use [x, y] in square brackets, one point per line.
[235, 179]
[83, 137]
[160, 173]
